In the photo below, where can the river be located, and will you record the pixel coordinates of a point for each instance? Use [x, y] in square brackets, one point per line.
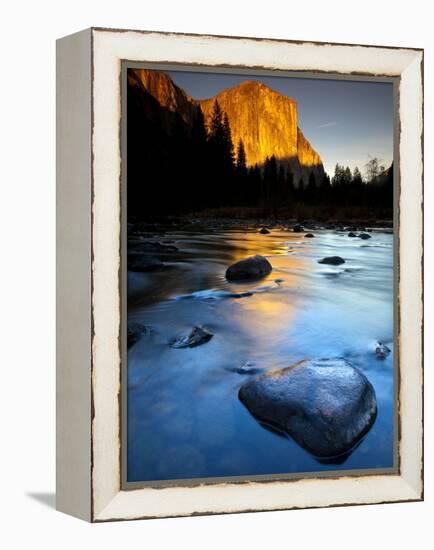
[184, 418]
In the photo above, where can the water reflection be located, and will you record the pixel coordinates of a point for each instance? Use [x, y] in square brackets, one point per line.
[184, 416]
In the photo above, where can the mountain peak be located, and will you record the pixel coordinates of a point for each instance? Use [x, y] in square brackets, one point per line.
[250, 87]
[267, 123]
[264, 119]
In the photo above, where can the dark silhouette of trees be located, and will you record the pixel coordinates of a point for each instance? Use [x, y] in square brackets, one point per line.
[241, 159]
[373, 169]
[310, 193]
[270, 185]
[241, 187]
[177, 166]
[221, 156]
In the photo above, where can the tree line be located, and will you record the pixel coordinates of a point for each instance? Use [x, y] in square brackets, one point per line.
[179, 167]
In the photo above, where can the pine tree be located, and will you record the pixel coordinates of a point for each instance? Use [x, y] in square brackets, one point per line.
[227, 141]
[216, 132]
[357, 176]
[348, 177]
[198, 128]
[241, 159]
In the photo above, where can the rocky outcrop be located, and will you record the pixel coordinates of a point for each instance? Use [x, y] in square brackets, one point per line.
[254, 267]
[305, 152]
[196, 337]
[267, 123]
[265, 120]
[161, 87]
[134, 332]
[326, 405]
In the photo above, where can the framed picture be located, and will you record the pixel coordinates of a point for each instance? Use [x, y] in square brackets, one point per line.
[239, 274]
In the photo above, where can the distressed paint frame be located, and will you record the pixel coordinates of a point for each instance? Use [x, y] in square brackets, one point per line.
[105, 499]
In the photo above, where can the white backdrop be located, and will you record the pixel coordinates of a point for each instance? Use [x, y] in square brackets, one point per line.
[27, 134]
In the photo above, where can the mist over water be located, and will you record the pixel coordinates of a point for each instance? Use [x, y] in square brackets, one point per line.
[184, 416]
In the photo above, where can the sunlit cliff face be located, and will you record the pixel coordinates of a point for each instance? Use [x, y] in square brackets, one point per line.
[265, 120]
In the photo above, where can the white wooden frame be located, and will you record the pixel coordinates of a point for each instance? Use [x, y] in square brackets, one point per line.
[88, 271]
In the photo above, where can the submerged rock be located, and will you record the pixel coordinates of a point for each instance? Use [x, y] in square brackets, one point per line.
[264, 231]
[332, 260]
[134, 332]
[352, 234]
[326, 405]
[196, 337]
[254, 267]
[381, 350]
[247, 367]
[364, 236]
[309, 236]
[298, 228]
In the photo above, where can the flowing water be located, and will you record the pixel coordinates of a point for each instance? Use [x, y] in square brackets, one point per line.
[184, 416]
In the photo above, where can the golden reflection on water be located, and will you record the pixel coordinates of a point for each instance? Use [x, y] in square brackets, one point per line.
[252, 243]
[266, 314]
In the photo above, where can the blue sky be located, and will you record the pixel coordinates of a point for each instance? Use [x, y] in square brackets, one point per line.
[345, 121]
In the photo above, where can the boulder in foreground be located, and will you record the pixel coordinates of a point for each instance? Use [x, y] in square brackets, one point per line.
[332, 260]
[326, 405]
[254, 267]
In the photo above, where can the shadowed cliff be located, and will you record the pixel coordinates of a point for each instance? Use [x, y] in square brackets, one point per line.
[264, 120]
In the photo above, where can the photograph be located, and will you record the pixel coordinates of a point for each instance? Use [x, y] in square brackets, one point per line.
[259, 275]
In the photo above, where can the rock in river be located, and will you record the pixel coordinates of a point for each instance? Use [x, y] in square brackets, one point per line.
[364, 236]
[134, 332]
[326, 405]
[381, 350]
[298, 228]
[309, 236]
[196, 337]
[332, 260]
[264, 231]
[254, 267]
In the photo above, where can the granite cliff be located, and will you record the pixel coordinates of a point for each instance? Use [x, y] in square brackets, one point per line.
[265, 120]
